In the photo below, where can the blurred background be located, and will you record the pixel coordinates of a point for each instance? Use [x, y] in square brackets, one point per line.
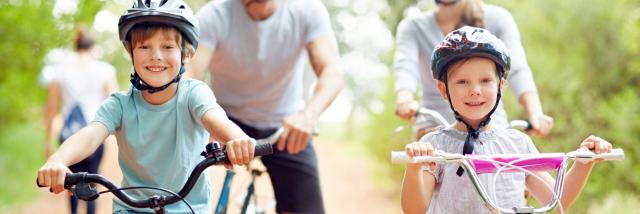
[585, 58]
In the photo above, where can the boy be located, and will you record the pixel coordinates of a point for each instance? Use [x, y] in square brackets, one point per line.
[162, 123]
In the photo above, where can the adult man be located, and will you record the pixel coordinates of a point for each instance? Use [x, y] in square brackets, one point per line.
[256, 52]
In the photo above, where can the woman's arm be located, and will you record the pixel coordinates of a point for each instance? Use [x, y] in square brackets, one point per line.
[406, 70]
[520, 77]
[53, 106]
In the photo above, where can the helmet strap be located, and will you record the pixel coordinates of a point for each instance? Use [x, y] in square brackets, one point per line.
[471, 132]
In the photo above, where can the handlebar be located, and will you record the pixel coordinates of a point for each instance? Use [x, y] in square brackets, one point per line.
[398, 157]
[478, 164]
[80, 183]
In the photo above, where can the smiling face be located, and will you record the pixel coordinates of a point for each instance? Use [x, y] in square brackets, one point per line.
[473, 86]
[156, 55]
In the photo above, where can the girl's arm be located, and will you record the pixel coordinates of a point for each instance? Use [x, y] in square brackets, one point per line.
[575, 179]
[239, 146]
[417, 189]
[417, 186]
[75, 149]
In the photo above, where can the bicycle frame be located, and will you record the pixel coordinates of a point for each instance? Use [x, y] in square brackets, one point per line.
[223, 201]
[479, 164]
[82, 184]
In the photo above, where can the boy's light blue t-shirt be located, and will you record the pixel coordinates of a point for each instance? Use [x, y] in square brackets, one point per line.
[159, 145]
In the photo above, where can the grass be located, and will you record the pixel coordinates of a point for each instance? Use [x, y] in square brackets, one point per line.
[21, 153]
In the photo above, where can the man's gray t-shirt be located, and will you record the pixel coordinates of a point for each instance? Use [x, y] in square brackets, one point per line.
[416, 39]
[456, 194]
[257, 66]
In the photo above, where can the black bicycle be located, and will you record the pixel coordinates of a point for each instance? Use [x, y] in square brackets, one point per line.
[83, 184]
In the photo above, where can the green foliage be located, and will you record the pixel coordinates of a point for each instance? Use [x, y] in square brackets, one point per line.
[28, 30]
[21, 155]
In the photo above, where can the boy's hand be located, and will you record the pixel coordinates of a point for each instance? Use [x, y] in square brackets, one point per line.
[596, 145]
[419, 149]
[240, 151]
[52, 174]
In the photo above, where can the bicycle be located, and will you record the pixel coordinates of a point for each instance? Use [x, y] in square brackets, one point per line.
[250, 198]
[505, 163]
[83, 184]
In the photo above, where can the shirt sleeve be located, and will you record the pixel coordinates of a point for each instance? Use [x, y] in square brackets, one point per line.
[406, 60]
[201, 100]
[316, 21]
[520, 76]
[110, 113]
[209, 24]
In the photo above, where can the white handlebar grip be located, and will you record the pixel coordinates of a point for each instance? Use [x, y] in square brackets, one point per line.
[403, 158]
[400, 158]
[615, 154]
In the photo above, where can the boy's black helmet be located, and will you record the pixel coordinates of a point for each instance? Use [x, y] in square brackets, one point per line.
[169, 12]
[468, 42]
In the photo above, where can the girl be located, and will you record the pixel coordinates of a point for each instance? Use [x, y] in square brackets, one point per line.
[471, 65]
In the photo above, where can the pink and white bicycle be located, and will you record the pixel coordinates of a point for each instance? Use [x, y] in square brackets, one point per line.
[506, 163]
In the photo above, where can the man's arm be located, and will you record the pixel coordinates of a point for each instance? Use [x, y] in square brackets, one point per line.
[324, 56]
[199, 62]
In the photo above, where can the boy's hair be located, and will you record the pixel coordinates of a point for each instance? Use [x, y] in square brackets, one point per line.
[144, 31]
[147, 17]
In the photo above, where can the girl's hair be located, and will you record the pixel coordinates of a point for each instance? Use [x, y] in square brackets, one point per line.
[456, 64]
[144, 31]
[84, 41]
[473, 14]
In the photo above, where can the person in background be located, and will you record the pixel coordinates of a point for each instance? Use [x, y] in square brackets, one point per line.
[416, 39]
[76, 87]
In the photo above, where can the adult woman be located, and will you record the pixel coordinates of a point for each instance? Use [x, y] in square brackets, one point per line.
[76, 89]
[418, 35]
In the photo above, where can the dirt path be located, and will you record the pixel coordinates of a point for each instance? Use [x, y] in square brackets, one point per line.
[346, 179]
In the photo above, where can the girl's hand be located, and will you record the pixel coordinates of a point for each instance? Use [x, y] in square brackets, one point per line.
[596, 145]
[240, 151]
[52, 174]
[419, 149]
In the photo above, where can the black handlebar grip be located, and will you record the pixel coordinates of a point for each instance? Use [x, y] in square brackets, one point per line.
[263, 149]
[71, 179]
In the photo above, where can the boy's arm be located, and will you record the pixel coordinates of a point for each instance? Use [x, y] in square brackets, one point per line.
[78, 147]
[220, 127]
[239, 146]
[417, 189]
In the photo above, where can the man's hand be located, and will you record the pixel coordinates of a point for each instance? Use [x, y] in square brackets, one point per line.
[297, 131]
